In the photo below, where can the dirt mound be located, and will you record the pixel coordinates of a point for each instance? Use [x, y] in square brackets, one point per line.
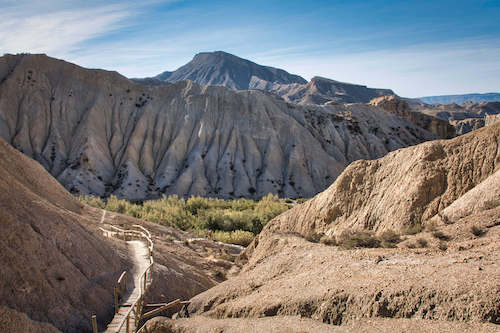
[55, 266]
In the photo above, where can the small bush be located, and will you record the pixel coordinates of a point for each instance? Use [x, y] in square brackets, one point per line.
[302, 200]
[327, 240]
[413, 230]
[431, 226]
[477, 231]
[237, 237]
[313, 236]
[440, 235]
[411, 245]
[443, 246]
[422, 242]
[351, 240]
[219, 274]
[390, 238]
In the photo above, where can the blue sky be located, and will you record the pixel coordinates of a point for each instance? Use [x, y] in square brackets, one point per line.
[417, 48]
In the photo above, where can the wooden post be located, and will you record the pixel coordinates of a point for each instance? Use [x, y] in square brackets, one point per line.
[128, 323]
[94, 324]
[116, 301]
[138, 311]
[125, 282]
[145, 279]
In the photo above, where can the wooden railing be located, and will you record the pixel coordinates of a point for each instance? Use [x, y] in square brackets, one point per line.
[121, 288]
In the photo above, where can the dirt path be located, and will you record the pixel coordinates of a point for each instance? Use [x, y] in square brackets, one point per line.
[140, 256]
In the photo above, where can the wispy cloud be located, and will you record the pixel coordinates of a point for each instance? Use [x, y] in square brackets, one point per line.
[60, 27]
[58, 32]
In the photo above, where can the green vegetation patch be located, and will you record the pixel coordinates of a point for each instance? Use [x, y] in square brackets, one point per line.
[229, 221]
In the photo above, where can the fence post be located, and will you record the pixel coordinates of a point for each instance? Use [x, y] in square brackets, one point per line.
[94, 324]
[145, 279]
[128, 324]
[125, 282]
[116, 301]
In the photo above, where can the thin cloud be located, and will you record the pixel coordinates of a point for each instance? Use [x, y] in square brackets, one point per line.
[436, 68]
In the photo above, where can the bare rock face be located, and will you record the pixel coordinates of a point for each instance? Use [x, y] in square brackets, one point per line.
[441, 128]
[97, 132]
[56, 268]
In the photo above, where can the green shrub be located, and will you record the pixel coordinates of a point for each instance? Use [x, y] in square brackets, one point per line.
[238, 237]
[201, 214]
[302, 200]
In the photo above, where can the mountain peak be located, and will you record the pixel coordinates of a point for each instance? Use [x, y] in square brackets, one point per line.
[226, 69]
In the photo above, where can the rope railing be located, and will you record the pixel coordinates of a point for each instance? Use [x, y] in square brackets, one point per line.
[145, 280]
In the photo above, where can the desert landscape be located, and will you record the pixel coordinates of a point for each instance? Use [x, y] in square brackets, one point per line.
[229, 195]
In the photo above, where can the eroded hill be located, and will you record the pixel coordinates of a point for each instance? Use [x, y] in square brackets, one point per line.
[443, 199]
[99, 133]
[55, 267]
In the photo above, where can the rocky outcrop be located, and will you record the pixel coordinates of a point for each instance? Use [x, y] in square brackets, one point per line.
[467, 125]
[56, 268]
[97, 132]
[326, 91]
[441, 128]
[492, 119]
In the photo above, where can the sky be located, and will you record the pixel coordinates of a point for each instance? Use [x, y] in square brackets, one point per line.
[417, 48]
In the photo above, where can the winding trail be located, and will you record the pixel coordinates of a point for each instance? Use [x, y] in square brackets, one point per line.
[140, 258]
[128, 301]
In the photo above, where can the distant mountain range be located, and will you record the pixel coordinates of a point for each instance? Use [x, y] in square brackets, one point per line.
[224, 69]
[459, 99]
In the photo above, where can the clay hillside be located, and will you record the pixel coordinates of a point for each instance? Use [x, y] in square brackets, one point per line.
[99, 133]
[407, 243]
[57, 268]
